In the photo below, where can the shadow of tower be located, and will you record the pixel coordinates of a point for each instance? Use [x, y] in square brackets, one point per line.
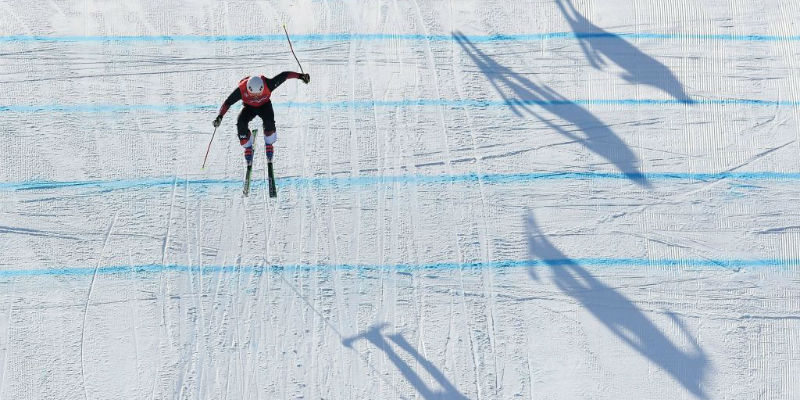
[374, 336]
[599, 45]
[528, 97]
[619, 314]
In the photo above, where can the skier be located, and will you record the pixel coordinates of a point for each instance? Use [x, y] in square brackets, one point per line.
[254, 92]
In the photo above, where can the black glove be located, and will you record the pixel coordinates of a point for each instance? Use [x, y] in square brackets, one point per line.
[305, 78]
[217, 121]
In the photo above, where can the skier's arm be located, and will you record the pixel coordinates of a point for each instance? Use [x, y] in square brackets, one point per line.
[273, 83]
[235, 96]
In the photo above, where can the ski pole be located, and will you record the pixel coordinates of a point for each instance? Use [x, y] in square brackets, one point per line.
[209, 148]
[292, 48]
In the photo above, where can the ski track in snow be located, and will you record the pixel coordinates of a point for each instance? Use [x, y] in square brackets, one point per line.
[477, 199]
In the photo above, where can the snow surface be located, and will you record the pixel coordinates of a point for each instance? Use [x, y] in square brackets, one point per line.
[478, 199]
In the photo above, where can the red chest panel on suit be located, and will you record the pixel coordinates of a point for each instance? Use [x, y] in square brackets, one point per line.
[254, 100]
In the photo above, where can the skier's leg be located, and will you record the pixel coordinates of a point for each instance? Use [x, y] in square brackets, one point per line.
[268, 117]
[270, 136]
[243, 131]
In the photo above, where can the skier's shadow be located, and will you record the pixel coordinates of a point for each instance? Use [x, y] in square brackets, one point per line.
[599, 45]
[524, 96]
[374, 336]
[619, 314]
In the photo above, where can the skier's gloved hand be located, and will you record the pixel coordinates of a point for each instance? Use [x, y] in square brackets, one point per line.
[305, 78]
[217, 121]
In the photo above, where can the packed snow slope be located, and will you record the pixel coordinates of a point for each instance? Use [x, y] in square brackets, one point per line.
[481, 199]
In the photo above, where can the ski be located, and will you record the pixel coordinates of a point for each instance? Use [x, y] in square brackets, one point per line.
[270, 151]
[246, 190]
[272, 191]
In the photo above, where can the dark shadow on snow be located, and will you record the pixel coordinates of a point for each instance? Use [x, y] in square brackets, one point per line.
[619, 314]
[640, 68]
[34, 232]
[374, 336]
[523, 95]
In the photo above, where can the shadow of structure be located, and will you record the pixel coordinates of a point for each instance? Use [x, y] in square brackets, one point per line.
[599, 45]
[527, 96]
[374, 336]
[34, 232]
[619, 314]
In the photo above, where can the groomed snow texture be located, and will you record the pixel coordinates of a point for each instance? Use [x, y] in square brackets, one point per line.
[483, 199]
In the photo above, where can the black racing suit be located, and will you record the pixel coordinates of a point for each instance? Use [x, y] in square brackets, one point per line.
[249, 112]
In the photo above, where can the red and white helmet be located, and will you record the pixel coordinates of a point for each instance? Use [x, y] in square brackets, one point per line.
[255, 85]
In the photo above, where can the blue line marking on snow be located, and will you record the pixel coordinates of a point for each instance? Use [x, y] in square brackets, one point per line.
[115, 108]
[356, 181]
[346, 37]
[586, 262]
[104, 108]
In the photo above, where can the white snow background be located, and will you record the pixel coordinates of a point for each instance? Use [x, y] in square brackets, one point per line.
[484, 199]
